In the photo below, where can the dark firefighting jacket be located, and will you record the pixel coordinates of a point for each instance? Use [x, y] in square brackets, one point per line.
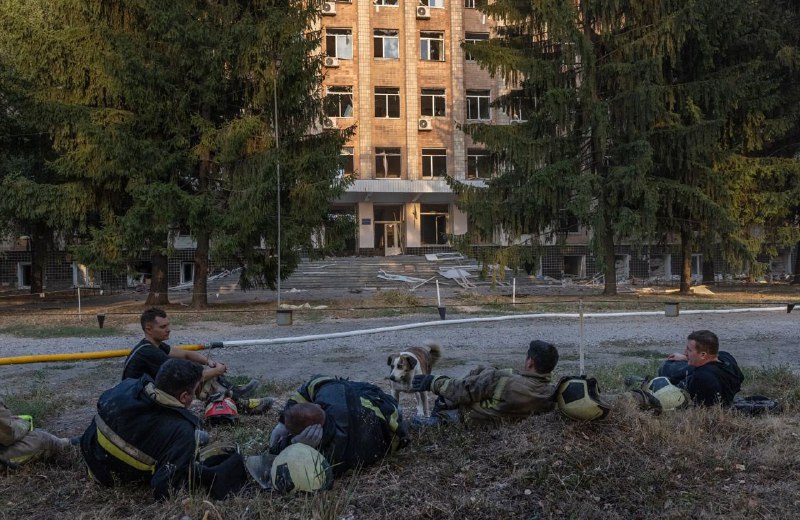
[140, 434]
[362, 422]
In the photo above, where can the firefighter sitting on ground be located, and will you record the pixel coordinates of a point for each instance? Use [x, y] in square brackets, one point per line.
[21, 443]
[489, 396]
[143, 432]
[351, 423]
[152, 351]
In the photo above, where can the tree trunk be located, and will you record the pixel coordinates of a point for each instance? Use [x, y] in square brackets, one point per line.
[159, 285]
[202, 235]
[200, 285]
[709, 276]
[796, 279]
[38, 248]
[686, 262]
[609, 257]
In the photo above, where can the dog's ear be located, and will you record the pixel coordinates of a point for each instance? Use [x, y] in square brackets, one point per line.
[389, 362]
[412, 362]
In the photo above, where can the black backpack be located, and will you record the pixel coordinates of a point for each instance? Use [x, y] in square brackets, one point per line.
[756, 405]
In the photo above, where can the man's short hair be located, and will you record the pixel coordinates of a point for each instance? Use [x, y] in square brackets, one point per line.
[302, 415]
[544, 356]
[150, 315]
[706, 341]
[177, 376]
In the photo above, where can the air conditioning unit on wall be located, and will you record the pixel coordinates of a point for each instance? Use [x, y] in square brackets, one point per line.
[331, 61]
[425, 123]
[423, 12]
[329, 122]
[329, 9]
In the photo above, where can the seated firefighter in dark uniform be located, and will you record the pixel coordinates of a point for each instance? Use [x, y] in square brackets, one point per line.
[351, 423]
[710, 376]
[143, 432]
[152, 351]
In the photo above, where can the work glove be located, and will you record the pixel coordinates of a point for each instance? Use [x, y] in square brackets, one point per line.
[311, 436]
[279, 434]
[423, 383]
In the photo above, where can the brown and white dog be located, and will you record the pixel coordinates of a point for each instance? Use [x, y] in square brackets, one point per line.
[407, 364]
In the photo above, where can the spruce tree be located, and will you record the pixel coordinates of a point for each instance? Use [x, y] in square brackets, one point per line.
[163, 111]
[764, 171]
[627, 107]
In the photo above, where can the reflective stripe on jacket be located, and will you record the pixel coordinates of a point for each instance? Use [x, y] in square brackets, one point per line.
[362, 422]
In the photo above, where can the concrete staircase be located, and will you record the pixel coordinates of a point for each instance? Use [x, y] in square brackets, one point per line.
[362, 272]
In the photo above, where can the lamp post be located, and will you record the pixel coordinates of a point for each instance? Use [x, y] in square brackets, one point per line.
[277, 64]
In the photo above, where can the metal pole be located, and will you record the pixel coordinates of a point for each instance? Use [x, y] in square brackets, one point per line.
[278, 171]
[582, 344]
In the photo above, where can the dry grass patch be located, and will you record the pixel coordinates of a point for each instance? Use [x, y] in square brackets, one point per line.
[697, 463]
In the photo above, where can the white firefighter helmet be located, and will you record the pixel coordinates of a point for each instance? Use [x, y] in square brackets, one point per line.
[579, 398]
[300, 467]
[670, 396]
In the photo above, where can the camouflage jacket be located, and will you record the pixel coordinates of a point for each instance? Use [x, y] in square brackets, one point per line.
[490, 395]
[12, 429]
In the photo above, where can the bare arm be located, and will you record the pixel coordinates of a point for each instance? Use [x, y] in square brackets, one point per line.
[676, 356]
[212, 368]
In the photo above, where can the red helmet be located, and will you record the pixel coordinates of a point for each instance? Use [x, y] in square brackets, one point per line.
[221, 411]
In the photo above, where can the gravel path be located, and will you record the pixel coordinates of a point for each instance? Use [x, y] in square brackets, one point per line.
[754, 338]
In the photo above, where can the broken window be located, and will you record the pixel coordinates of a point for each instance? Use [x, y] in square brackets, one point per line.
[433, 224]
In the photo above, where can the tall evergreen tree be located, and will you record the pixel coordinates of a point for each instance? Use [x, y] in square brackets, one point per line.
[627, 105]
[165, 107]
[30, 205]
[764, 172]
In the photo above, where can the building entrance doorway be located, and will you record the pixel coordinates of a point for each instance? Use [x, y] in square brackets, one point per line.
[391, 235]
[388, 230]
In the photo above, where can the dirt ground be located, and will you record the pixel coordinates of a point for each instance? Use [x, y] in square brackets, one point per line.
[693, 464]
[756, 338]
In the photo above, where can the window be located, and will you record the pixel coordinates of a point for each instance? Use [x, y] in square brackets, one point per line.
[347, 166]
[24, 275]
[478, 105]
[387, 3]
[473, 37]
[432, 102]
[339, 43]
[479, 164]
[568, 222]
[386, 43]
[469, 4]
[387, 102]
[187, 272]
[387, 163]
[434, 162]
[515, 110]
[431, 46]
[436, 4]
[433, 223]
[339, 101]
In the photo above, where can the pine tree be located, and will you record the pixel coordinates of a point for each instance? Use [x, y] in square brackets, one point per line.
[166, 111]
[764, 171]
[627, 107]
[31, 202]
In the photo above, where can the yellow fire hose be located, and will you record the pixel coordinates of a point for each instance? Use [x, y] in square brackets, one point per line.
[79, 356]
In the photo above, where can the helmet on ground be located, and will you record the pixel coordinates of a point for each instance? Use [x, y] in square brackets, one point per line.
[259, 467]
[221, 410]
[301, 468]
[670, 396]
[579, 398]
